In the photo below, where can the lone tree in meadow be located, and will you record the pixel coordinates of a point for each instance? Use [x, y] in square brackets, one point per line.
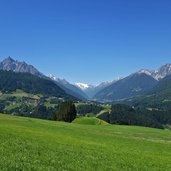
[67, 112]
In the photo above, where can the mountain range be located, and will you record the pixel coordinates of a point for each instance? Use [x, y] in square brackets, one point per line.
[134, 85]
[12, 81]
[69, 88]
[159, 74]
[131, 86]
[91, 90]
[9, 64]
[158, 98]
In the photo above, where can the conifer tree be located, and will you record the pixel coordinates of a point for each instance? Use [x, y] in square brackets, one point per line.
[67, 112]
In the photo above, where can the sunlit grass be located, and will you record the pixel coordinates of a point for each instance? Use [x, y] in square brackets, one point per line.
[32, 144]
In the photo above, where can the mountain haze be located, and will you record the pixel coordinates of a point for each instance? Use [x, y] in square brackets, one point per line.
[91, 90]
[69, 88]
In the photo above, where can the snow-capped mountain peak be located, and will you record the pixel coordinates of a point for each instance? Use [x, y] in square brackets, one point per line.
[158, 74]
[146, 71]
[52, 77]
[163, 71]
[83, 86]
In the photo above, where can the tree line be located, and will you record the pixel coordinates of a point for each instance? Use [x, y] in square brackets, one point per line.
[125, 115]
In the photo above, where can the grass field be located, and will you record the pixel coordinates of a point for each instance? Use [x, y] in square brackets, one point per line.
[39, 145]
[89, 121]
[19, 94]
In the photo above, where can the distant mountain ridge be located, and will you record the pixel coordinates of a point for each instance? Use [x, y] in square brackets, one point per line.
[69, 88]
[83, 86]
[91, 90]
[99, 92]
[11, 81]
[159, 74]
[10, 64]
[133, 85]
[158, 98]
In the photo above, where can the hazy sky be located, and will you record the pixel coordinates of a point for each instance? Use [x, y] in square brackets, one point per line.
[87, 40]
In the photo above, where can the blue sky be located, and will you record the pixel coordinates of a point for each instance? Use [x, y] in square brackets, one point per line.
[87, 40]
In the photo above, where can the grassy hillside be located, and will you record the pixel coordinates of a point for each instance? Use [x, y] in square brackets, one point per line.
[89, 121]
[32, 144]
[21, 103]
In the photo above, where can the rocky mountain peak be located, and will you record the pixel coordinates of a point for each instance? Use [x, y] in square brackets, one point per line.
[8, 59]
[159, 74]
[9, 64]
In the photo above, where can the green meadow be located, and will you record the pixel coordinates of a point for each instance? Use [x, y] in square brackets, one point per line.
[40, 145]
[89, 121]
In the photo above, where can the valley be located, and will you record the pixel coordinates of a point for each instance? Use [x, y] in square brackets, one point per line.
[87, 86]
[142, 98]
